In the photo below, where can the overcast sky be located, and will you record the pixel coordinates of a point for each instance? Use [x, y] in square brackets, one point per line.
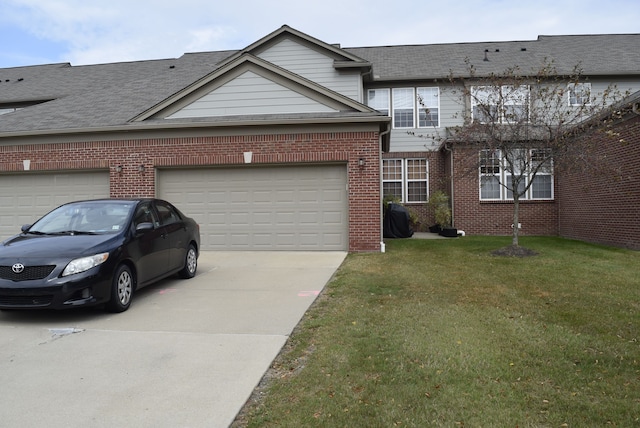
[100, 31]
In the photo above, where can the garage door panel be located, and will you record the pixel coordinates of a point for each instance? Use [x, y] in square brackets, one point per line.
[26, 197]
[272, 208]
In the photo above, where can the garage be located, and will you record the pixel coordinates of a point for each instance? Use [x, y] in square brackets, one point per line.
[27, 196]
[263, 208]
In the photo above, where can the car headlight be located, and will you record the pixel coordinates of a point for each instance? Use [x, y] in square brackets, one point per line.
[84, 263]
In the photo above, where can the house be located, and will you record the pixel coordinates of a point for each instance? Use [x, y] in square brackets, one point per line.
[287, 144]
[605, 208]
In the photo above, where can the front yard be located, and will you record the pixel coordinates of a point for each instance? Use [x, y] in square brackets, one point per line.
[442, 333]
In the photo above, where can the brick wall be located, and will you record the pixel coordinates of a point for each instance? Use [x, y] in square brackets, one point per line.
[494, 218]
[605, 208]
[124, 158]
[436, 181]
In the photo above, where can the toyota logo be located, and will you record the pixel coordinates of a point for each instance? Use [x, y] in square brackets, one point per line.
[17, 268]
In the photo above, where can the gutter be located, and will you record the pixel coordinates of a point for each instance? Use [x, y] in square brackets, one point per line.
[164, 125]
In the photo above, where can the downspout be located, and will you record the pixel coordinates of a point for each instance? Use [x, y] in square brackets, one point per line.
[380, 141]
[450, 150]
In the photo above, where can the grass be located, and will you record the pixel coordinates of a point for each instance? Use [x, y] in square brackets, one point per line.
[442, 333]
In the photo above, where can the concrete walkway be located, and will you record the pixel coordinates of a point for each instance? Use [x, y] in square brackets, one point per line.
[188, 353]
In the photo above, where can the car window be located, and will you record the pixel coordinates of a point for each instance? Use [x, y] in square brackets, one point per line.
[144, 214]
[84, 217]
[167, 214]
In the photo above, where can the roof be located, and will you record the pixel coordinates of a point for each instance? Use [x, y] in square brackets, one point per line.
[604, 54]
[110, 96]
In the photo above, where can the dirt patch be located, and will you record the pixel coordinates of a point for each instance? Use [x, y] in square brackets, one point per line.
[514, 251]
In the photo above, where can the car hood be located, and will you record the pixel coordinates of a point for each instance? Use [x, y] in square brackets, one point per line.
[50, 246]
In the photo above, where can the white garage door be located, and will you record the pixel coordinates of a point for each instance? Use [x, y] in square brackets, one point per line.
[263, 208]
[26, 197]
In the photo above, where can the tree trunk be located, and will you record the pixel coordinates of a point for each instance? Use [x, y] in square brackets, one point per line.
[516, 229]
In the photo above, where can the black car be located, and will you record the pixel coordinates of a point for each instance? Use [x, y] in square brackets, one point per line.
[96, 252]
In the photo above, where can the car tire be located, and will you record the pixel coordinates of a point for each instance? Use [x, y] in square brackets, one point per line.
[190, 263]
[121, 290]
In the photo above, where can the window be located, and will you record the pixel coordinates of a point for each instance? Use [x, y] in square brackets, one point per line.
[496, 168]
[500, 104]
[405, 179]
[379, 100]
[409, 106]
[392, 178]
[489, 175]
[167, 214]
[428, 107]
[403, 107]
[579, 94]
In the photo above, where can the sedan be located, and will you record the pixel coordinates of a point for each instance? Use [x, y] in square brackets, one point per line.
[96, 252]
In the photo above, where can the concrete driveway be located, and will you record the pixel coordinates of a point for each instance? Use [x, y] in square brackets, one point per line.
[188, 353]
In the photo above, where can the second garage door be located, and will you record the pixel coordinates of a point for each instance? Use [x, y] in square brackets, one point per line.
[263, 208]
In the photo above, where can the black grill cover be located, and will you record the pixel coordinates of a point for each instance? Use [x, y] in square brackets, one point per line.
[396, 222]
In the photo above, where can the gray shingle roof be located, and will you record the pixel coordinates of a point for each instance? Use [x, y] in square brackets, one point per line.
[609, 54]
[110, 95]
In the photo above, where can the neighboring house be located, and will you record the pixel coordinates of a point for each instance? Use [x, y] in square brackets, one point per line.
[288, 144]
[605, 208]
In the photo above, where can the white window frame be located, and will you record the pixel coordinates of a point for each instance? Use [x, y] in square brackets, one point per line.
[380, 99]
[499, 171]
[415, 101]
[405, 102]
[428, 99]
[405, 180]
[499, 98]
[576, 92]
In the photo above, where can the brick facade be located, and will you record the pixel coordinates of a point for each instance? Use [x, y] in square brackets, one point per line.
[124, 158]
[605, 208]
[477, 217]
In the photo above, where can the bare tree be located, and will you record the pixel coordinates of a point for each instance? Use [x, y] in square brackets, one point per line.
[522, 128]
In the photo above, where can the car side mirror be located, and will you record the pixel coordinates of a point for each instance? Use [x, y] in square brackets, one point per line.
[144, 227]
[25, 227]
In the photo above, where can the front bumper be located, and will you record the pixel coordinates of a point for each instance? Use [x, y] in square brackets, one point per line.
[88, 288]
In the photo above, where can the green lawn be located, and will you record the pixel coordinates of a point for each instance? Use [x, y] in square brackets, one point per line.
[442, 333]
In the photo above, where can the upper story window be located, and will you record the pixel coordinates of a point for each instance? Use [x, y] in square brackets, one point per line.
[405, 179]
[379, 100]
[403, 107]
[409, 107]
[428, 107]
[500, 104]
[579, 94]
[497, 175]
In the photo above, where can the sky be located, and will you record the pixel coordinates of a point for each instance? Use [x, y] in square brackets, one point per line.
[102, 31]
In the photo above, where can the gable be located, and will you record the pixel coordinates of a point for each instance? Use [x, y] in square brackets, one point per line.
[249, 86]
[314, 64]
[251, 94]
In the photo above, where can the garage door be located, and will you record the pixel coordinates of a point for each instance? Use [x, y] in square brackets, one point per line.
[263, 208]
[25, 197]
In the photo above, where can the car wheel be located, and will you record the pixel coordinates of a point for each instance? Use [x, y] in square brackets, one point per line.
[190, 263]
[121, 290]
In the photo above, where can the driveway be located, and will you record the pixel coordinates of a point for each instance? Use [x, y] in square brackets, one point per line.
[188, 353]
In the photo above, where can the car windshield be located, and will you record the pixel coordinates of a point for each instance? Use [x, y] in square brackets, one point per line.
[84, 218]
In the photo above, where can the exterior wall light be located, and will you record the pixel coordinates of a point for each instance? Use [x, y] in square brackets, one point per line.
[361, 162]
[119, 169]
[141, 168]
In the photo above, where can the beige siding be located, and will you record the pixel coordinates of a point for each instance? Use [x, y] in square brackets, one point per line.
[315, 66]
[250, 94]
